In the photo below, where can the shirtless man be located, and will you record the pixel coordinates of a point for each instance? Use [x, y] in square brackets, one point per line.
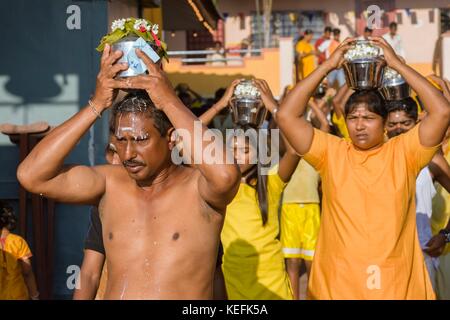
[161, 221]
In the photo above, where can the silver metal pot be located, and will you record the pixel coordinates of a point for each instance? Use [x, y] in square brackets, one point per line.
[126, 45]
[248, 111]
[395, 89]
[364, 74]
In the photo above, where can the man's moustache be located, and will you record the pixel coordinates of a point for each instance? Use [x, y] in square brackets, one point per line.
[131, 163]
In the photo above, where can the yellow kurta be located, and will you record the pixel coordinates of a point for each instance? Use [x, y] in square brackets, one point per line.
[307, 64]
[368, 246]
[439, 220]
[303, 186]
[12, 283]
[253, 262]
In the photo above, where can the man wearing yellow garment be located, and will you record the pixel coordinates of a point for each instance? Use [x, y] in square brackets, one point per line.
[441, 209]
[300, 221]
[300, 214]
[306, 55]
[441, 220]
[402, 117]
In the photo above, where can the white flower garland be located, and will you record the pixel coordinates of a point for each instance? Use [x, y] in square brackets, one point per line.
[118, 24]
[391, 74]
[362, 50]
[141, 22]
[246, 90]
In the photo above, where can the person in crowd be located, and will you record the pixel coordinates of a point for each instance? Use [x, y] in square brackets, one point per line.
[17, 280]
[368, 247]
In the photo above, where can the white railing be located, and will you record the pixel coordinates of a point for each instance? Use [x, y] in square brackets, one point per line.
[197, 52]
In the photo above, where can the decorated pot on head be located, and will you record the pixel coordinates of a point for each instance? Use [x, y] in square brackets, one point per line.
[364, 66]
[130, 34]
[246, 105]
[394, 86]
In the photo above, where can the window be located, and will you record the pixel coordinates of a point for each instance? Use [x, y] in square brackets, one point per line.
[445, 20]
[413, 17]
[399, 18]
[286, 24]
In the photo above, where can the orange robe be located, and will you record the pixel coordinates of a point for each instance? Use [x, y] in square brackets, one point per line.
[368, 246]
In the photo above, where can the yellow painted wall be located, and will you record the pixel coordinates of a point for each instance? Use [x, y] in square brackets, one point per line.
[206, 79]
[154, 15]
[424, 69]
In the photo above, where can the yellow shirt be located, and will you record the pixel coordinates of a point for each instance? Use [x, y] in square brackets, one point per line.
[368, 246]
[303, 186]
[441, 208]
[307, 64]
[12, 283]
[341, 125]
[253, 262]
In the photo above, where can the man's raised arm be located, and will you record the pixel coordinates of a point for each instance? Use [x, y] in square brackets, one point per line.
[43, 171]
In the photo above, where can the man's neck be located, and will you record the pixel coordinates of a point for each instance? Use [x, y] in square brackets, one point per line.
[160, 179]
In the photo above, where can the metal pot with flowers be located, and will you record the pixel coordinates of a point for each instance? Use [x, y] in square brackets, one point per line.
[130, 34]
[246, 105]
[364, 66]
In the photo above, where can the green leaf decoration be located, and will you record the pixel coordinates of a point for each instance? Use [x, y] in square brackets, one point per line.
[129, 30]
[111, 38]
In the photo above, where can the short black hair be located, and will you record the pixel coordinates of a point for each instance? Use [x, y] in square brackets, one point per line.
[7, 218]
[308, 31]
[138, 101]
[407, 105]
[328, 29]
[372, 98]
[336, 31]
[367, 29]
[393, 25]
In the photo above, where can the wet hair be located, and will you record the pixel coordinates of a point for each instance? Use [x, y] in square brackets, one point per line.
[328, 29]
[7, 218]
[336, 31]
[372, 98]
[407, 105]
[136, 102]
[393, 25]
[254, 174]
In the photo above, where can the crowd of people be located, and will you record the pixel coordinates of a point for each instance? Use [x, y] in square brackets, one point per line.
[350, 199]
